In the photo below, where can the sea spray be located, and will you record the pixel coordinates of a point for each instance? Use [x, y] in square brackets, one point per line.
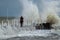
[30, 12]
[52, 18]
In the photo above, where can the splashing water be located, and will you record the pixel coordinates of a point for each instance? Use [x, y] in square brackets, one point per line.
[30, 12]
[31, 15]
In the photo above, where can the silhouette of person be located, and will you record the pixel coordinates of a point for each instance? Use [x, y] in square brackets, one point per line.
[21, 21]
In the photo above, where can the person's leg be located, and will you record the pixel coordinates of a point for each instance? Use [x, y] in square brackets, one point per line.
[21, 24]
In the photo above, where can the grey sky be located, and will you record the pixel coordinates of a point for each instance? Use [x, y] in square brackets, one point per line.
[15, 7]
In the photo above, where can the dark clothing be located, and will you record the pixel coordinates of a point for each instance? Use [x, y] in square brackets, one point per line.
[21, 21]
[21, 24]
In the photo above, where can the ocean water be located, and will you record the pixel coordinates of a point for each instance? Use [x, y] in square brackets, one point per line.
[15, 32]
[33, 35]
[54, 37]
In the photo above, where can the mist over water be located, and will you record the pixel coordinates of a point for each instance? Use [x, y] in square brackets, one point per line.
[51, 10]
[32, 13]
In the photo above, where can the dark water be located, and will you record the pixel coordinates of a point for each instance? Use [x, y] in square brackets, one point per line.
[54, 37]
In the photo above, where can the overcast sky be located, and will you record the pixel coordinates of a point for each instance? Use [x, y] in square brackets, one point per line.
[16, 7]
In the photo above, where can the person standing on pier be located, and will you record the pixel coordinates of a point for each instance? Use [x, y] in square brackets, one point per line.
[21, 21]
